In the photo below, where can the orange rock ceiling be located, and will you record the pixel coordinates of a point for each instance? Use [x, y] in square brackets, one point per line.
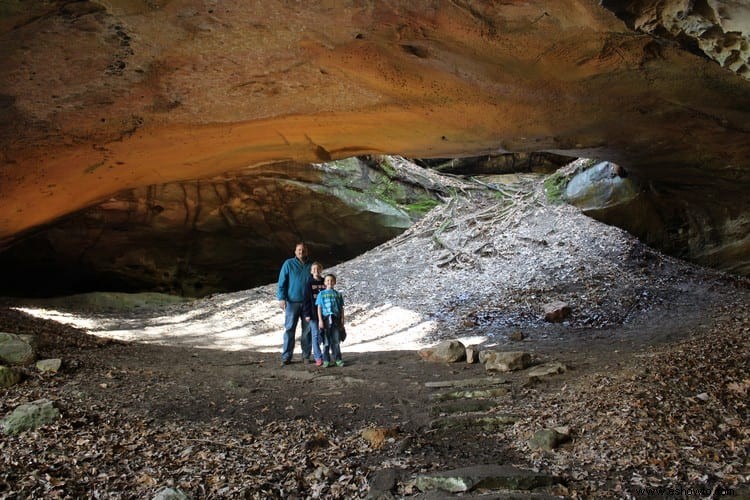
[99, 97]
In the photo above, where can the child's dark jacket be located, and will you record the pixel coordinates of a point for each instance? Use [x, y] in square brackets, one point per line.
[314, 286]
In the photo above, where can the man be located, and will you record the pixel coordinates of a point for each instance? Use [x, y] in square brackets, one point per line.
[293, 283]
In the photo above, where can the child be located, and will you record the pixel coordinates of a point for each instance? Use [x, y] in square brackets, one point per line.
[310, 311]
[331, 319]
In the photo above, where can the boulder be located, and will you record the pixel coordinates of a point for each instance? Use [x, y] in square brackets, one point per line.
[601, 186]
[507, 361]
[30, 416]
[449, 351]
[14, 351]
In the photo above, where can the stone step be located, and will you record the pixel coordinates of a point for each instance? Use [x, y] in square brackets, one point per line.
[471, 382]
[484, 422]
[486, 477]
[453, 407]
[471, 394]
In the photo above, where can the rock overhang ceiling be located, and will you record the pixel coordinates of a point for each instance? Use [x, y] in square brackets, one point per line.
[97, 97]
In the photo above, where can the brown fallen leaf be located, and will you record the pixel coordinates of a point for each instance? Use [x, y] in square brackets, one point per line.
[377, 436]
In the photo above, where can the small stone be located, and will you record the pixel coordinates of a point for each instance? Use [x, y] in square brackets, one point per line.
[563, 429]
[556, 312]
[516, 336]
[49, 365]
[382, 481]
[472, 354]
[547, 439]
[547, 369]
[171, 494]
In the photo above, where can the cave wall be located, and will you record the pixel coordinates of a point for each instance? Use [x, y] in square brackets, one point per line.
[221, 234]
[716, 29]
[101, 97]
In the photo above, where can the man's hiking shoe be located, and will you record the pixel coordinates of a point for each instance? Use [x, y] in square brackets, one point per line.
[325, 364]
[285, 362]
[339, 363]
[318, 362]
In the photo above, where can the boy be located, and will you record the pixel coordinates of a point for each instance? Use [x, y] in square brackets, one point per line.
[310, 311]
[331, 319]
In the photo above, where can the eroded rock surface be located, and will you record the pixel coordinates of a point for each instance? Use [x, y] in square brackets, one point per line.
[225, 233]
[716, 28]
[97, 98]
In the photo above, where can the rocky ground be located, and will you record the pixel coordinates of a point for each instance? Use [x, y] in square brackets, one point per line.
[650, 390]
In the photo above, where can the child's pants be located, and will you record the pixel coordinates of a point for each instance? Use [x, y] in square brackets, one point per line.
[317, 335]
[331, 339]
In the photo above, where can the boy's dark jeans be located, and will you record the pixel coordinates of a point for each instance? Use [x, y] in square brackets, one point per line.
[331, 338]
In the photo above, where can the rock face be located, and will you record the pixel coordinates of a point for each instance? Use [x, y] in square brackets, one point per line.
[712, 235]
[220, 234]
[98, 99]
[715, 28]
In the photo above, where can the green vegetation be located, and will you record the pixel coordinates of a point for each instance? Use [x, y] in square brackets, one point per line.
[421, 207]
[554, 185]
[389, 191]
[382, 181]
[387, 167]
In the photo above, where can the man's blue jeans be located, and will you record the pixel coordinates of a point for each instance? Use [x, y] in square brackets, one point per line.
[293, 314]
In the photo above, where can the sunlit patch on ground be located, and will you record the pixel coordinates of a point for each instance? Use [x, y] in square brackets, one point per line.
[61, 317]
[252, 325]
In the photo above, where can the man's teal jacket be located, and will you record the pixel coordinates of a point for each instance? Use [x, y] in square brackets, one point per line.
[293, 279]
